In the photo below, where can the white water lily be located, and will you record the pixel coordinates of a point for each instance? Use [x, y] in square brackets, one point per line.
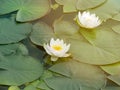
[57, 48]
[88, 20]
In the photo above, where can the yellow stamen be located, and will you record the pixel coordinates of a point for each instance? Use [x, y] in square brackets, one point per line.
[57, 47]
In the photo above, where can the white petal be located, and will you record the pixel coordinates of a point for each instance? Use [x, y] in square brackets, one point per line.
[57, 53]
[53, 58]
[79, 15]
[88, 20]
[62, 42]
[66, 55]
[58, 40]
[67, 48]
[46, 47]
[52, 41]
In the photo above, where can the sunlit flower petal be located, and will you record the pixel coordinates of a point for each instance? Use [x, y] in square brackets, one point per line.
[53, 58]
[57, 48]
[46, 46]
[88, 20]
[66, 55]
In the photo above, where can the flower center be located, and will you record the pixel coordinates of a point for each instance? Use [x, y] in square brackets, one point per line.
[57, 47]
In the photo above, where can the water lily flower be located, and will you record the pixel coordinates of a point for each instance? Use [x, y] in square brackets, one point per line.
[88, 20]
[57, 48]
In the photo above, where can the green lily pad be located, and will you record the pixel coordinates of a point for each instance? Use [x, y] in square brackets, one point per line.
[111, 88]
[13, 88]
[60, 24]
[115, 78]
[30, 87]
[112, 69]
[105, 12]
[8, 49]
[102, 50]
[68, 5]
[42, 85]
[86, 4]
[116, 17]
[87, 88]
[98, 46]
[89, 35]
[39, 84]
[74, 5]
[13, 49]
[27, 9]
[17, 70]
[80, 74]
[41, 33]
[66, 29]
[116, 28]
[11, 32]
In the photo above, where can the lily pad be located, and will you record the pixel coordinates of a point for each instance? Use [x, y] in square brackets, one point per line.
[11, 32]
[30, 87]
[89, 35]
[8, 49]
[112, 69]
[87, 4]
[116, 17]
[90, 76]
[39, 84]
[60, 24]
[87, 88]
[17, 70]
[66, 29]
[27, 9]
[115, 78]
[105, 12]
[111, 88]
[41, 33]
[68, 5]
[74, 5]
[116, 28]
[98, 46]
[13, 88]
